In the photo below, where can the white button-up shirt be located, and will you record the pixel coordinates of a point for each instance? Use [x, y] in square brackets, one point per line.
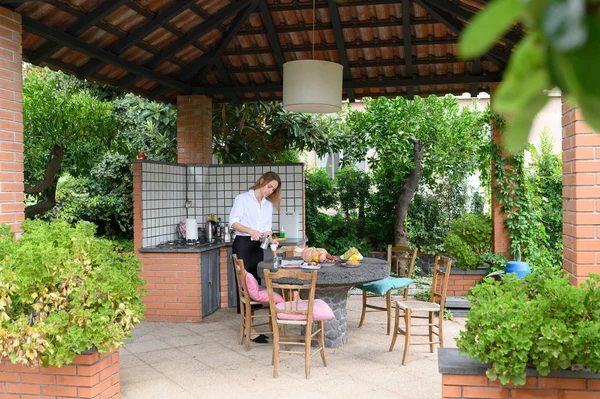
[249, 212]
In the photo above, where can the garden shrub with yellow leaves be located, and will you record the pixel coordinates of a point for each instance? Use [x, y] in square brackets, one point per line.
[63, 291]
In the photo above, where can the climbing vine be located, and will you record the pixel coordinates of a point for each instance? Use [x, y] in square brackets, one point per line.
[520, 204]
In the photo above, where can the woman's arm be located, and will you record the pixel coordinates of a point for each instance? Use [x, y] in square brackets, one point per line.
[254, 234]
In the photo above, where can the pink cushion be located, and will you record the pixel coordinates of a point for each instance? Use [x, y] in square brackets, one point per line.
[321, 311]
[259, 293]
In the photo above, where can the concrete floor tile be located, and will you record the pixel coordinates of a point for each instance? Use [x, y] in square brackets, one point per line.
[138, 347]
[159, 388]
[163, 355]
[137, 374]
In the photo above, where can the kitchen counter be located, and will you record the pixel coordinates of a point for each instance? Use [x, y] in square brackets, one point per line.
[206, 246]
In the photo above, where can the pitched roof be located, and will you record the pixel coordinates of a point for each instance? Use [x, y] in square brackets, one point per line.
[234, 50]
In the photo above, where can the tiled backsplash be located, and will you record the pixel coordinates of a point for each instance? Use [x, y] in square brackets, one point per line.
[211, 189]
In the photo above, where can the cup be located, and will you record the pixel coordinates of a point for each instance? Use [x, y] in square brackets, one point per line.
[277, 262]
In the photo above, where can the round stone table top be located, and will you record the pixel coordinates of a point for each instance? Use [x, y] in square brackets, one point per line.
[370, 269]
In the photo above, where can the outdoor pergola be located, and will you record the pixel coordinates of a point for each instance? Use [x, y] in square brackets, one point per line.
[194, 53]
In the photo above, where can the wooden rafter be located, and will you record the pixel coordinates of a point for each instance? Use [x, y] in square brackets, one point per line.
[408, 63]
[340, 45]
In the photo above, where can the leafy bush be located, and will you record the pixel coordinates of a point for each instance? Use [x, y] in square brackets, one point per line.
[337, 234]
[540, 321]
[63, 291]
[469, 240]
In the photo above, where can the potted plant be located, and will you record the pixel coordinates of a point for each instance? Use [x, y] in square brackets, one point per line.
[63, 291]
[534, 322]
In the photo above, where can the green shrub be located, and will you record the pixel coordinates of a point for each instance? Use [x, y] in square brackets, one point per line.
[63, 291]
[540, 321]
[469, 240]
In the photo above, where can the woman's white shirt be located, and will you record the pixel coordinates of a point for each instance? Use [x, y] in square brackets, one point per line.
[249, 212]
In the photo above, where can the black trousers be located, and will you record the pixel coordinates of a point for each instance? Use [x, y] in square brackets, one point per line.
[251, 253]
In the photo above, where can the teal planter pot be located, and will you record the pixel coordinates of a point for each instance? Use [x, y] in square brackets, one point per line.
[521, 268]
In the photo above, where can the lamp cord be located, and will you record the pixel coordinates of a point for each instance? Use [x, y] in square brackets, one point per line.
[313, 30]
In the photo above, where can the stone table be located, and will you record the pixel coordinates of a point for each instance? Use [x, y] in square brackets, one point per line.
[333, 284]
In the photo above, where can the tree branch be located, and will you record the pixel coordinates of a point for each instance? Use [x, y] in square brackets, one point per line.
[44, 205]
[52, 168]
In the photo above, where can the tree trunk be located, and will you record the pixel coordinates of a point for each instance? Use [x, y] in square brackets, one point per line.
[45, 205]
[406, 195]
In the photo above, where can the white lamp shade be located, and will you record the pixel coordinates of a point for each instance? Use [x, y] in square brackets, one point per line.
[312, 86]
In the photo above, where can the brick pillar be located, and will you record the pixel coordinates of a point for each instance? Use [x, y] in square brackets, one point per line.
[194, 129]
[501, 239]
[12, 206]
[581, 195]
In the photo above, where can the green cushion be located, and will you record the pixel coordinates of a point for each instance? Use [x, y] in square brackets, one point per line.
[381, 287]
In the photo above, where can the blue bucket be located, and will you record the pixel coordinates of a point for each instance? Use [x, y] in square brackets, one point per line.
[521, 268]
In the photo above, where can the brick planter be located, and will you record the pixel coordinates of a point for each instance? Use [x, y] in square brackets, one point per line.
[465, 378]
[461, 280]
[89, 376]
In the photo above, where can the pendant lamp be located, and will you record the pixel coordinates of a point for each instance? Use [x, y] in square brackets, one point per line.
[312, 86]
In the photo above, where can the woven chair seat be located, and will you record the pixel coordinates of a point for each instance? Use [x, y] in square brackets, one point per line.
[416, 306]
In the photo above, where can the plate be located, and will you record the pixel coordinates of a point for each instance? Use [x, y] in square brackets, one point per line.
[308, 267]
[344, 264]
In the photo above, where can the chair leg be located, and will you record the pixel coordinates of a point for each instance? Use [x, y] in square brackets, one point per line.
[307, 353]
[396, 327]
[388, 305]
[322, 342]
[275, 352]
[431, 322]
[441, 330]
[407, 319]
[242, 327]
[364, 308]
[248, 312]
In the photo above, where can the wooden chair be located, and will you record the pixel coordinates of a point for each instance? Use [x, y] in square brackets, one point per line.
[299, 312]
[425, 310]
[247, 312]
[401, 258]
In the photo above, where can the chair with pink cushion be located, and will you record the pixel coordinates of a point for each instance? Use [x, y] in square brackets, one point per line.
[296, 311]
[251, 293]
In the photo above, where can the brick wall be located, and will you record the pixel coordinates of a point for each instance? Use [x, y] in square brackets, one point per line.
[172, 279]
[581, 196]
[461, 281]
[12, 205]
[89, 376]
[479, 386]
[194, 129]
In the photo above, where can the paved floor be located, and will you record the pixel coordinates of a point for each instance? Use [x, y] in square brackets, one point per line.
[204, 360]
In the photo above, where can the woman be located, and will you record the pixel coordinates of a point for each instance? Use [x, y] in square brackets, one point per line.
[251, 217]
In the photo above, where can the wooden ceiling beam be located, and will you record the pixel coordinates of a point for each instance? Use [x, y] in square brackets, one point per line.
[408, 67]
[272, 34]
[38, 28]
[362, 84]
[340, 45]
[79, 27]
[296, 6]
[476, 71]
[259, 30]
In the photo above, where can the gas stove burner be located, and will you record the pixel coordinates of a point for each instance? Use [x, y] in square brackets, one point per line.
[191, 243]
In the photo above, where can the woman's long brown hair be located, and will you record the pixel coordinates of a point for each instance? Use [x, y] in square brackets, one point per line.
[275, 197]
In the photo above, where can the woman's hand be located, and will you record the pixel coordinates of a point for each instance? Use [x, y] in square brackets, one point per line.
[255, 234]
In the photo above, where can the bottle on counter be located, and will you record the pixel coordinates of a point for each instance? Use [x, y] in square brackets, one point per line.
[219, 229]
[282, 233]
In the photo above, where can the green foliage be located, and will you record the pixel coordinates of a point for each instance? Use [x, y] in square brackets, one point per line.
[63, 291]
[531, 201]
[103, 198]
[266, 133]
[337, 234]
[559, 50]
[470, 238]
[451, 137]
[353, 189]
[59, 117]
[541, 321]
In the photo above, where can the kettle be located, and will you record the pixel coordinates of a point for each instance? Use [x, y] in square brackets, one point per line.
[210, 230]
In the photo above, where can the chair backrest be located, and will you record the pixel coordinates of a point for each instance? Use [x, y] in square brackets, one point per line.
[290, 283]
[240, 276]
[439, 284]
[402, 259]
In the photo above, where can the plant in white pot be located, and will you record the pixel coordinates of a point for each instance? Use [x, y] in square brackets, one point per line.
[63, 291]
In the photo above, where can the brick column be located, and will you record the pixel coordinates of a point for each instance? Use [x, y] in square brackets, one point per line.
[12, 206]
[500, 238]
[581, 195]
[194, 129]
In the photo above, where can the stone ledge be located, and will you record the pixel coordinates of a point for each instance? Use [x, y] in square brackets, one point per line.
[452, 362]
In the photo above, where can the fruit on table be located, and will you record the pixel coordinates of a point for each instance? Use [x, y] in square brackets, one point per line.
[352, 252]
[312, 254]
[352, 262]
